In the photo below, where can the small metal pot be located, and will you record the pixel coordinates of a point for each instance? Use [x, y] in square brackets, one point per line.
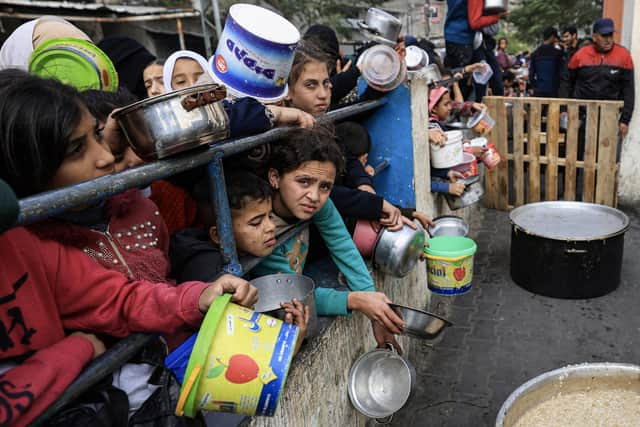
[573, 378]
[274, 289]
[448, 225]
[397, 252]
[420, 324]
[416, 58]
[174, 122]
[492, 7]
[380, 382]
[473, 192]
[381, 26]
[431, 74]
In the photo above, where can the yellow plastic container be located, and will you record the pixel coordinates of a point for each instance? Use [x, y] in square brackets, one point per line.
[450, 264]
[239, 362]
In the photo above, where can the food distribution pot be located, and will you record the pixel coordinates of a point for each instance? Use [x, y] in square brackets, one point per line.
[164, 125]
[569, 379]
[567, 249]
[274, 289]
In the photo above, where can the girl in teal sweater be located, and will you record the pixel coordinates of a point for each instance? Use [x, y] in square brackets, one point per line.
[302, 171]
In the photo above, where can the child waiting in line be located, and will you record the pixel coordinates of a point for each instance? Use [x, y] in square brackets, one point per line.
[100, 269]
[195, 252]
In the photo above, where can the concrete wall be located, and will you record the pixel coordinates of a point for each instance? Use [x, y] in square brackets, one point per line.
[629, 188]
[316, 392]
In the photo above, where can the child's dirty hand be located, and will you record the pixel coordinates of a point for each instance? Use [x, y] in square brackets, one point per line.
[298, 314]
[291, 116]
[340, 68]
[384, 337]
[478, 106]
[436, 136]
[456, 188]
[98, 346]
[375, 305]
[424, 220]
[370, 170]
[244, 293]
[390, 216]
[454, 175]
[367, 188]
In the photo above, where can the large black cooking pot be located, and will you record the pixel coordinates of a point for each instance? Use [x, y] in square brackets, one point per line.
[567, 249]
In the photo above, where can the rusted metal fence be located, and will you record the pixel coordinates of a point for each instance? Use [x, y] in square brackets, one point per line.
[544, 159]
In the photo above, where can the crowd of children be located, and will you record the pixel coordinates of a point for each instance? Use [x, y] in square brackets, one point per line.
[149, 259]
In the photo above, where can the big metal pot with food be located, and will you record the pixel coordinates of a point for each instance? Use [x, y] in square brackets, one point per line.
[473, 192]
[380, 382]
[174, 122]
[397, 252]
[381, 27]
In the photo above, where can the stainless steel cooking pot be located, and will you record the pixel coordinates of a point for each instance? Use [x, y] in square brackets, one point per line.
[397, 252]
[448, 225]
[174, 122]
[419, 323]
[380, 382]
[473, 192]
[274, 289]
[573, 378]
[492, 7]
[381, 26]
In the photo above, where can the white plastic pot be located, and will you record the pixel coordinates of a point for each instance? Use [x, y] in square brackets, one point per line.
[450, 154]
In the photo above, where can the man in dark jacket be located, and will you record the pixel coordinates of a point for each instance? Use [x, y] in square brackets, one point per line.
[603, 70]
[545, 67]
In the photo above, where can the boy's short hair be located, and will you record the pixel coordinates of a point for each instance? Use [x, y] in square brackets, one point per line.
[243, 187]
[571, 29]
[353, 138]
[307, 145]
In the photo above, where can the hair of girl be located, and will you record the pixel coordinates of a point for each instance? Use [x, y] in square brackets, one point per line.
[306, 52]
[101, 103]
[307, 145]
[35, 135]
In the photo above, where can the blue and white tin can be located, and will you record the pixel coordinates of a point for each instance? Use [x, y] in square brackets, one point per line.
[255, 53]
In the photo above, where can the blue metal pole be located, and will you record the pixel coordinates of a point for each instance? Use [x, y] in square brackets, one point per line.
[224, 223]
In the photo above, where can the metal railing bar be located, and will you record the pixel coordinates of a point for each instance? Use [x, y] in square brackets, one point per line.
[41, 206]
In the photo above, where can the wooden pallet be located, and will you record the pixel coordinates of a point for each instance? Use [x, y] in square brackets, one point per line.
[533, 165]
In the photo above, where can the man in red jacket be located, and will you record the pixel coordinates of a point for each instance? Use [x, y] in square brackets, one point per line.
[47, 289]
[603, 70]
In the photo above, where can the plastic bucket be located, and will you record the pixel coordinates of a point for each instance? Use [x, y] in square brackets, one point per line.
[365, 236]
[75, 62]
[255, 53]
[450, 264]
[239, 362]
[450, 154]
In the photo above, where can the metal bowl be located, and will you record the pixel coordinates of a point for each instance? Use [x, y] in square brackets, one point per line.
[572, 378]
[420, 324]
[275, 289]
[473, 192]
[174, 122]
[448, 225]
[397, 252]
[380, 383]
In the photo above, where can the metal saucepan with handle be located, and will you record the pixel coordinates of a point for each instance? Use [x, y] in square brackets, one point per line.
[174, 122]
[419, 323]
[275, 289]
[381, 26]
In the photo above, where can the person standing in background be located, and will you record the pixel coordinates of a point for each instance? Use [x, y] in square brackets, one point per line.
[546, 66]
[603, 70]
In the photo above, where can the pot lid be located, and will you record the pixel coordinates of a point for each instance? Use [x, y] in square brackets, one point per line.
[570, 220]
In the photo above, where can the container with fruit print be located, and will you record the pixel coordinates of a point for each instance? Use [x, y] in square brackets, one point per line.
[450, 264]
[239, 362]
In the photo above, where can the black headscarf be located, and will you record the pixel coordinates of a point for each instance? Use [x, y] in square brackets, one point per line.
[130, 59]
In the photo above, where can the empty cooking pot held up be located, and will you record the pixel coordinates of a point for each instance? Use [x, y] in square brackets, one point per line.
[381, 27]
[397, 252]
[380, 382]
[420, 324]
[275, 289]
[176, 121]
